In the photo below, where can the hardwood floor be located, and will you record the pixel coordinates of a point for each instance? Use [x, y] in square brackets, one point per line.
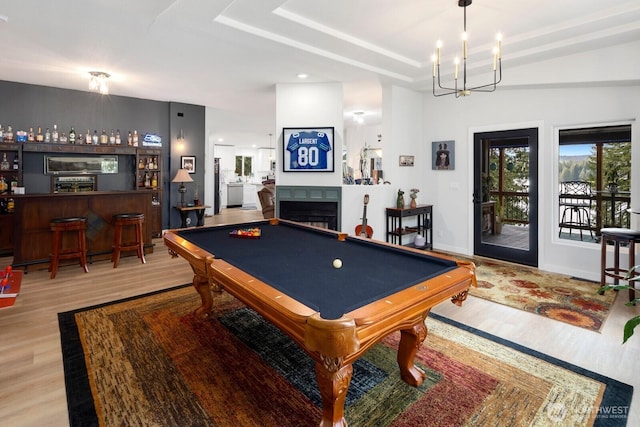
[32, 391]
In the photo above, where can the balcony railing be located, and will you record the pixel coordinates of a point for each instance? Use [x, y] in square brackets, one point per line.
[606, 209]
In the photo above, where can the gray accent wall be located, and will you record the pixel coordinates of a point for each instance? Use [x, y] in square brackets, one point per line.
[25, 106]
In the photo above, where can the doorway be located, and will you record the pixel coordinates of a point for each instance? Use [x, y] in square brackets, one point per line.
[505, 195]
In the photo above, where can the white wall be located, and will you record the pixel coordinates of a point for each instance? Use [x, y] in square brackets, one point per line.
[549, 109]
[310, 105]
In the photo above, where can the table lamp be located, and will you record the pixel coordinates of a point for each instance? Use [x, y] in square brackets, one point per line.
[182, 176]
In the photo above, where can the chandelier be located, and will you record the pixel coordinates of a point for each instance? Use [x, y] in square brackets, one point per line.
[98, 82]
[464, 90]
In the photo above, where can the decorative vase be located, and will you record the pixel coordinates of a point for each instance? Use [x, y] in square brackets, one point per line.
[400, 202]
[413, 203]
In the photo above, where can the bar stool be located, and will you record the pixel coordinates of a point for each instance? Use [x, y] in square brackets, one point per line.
[120, 221]
[59, 226]
[618, 236]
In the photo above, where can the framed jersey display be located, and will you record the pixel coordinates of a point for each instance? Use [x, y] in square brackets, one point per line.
[308, 149]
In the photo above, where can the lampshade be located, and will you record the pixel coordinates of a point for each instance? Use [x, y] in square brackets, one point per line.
[182, 176]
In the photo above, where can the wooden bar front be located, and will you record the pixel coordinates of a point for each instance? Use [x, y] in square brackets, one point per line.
[32, 236]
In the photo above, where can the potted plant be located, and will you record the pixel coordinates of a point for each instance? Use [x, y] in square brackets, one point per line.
[632, 276]
[413, 195]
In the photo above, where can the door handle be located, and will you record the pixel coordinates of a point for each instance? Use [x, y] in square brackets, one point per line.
[476, 197]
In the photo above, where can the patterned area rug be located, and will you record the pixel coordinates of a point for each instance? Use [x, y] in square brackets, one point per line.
[552, 295]
[147, 361]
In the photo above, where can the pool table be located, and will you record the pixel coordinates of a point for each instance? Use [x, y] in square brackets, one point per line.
[334, 314]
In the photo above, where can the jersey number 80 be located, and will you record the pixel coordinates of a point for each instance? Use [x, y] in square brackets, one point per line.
[308, 156]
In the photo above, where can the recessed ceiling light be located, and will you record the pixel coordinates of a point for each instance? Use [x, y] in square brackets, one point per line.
[303, 75]
[220, 139]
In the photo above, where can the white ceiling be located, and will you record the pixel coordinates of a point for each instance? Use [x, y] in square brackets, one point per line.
[228, 55]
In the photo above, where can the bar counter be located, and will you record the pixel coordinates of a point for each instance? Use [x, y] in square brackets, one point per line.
[32, 237]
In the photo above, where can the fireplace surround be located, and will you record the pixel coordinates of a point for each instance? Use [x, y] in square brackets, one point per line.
[320, 206]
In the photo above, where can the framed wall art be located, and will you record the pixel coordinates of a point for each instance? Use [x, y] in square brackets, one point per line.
[308, 149]
[443, 155]
[188, 163]
[407, 160]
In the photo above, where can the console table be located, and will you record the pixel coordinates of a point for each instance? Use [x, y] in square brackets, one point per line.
[184, 214]
[422, 224]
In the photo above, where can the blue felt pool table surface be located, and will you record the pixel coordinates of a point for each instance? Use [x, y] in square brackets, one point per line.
[298, 261]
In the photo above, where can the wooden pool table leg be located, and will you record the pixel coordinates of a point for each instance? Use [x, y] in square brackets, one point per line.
[410, 341]
[333, 382]
[201, 285]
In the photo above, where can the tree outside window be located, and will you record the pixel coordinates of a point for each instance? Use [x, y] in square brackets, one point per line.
[602, 157]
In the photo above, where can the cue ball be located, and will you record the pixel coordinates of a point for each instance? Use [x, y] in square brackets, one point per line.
[337, 263]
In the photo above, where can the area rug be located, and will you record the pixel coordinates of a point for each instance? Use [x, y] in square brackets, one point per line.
[147, 361]
[556, 296]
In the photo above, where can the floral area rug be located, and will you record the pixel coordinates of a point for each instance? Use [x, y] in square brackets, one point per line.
[556, 296]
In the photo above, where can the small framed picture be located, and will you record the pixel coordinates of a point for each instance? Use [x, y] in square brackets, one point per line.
[443, 155]
[406, 160]
[188, 163]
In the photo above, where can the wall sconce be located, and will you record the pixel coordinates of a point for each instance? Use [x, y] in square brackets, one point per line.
[181, 138]
[182, 176]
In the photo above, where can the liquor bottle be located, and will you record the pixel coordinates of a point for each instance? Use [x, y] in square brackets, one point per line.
[135, 138]
[147, 180]
[47, 136]
[54, 134]
[1, 133]
[154, 180]
[112, 138]
[94, 138]
[104, 139]
[4, 164]
[72, 136]
[10, 205]
[141, 164]
[14, 184]
[151, 165]
[87, 137]
[130, 139]
[3, 185]
[39, 136]
[16, 162]
[63, 138]
[118, 138]
[31, 137]
[8, 134]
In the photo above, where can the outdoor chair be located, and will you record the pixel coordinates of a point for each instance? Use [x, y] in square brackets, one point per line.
[575, 200]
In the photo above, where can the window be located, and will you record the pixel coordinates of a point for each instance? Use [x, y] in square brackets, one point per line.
[244, 166]
[601, 157]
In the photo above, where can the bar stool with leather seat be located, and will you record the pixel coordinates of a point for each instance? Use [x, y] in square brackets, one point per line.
[123, 220]
[618, 236]
[59, 227]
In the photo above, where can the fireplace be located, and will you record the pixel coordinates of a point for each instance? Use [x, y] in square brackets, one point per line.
[319, 206]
